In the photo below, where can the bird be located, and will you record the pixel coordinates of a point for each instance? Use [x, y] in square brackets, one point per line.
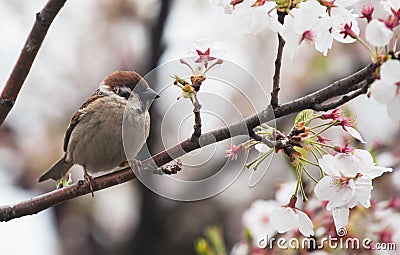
[95, 138]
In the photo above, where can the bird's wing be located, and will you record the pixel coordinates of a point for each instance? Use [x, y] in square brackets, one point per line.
[78, 116]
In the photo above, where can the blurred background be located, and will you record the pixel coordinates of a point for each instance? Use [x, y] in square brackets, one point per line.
[90, 39]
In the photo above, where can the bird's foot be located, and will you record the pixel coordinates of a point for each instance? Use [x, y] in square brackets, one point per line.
[89, 179]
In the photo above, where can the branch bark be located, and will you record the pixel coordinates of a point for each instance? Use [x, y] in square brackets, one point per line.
[244, 127]
[44, 18]
[278, 64]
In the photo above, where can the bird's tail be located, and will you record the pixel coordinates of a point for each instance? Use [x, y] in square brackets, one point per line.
[57, 171]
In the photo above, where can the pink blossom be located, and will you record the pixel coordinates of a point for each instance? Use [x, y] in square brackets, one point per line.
[333, 115]
[366, 11]
[233, 151]
[346, 149]
[348, 31]
[346, 123]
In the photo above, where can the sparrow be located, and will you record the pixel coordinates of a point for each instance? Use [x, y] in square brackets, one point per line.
[94, 137]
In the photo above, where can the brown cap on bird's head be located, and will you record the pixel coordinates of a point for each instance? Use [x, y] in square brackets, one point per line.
[132, 80]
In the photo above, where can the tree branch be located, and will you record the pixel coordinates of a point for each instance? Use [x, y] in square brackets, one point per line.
[278, 65]
[197, 125]
[44, 18]
[346, 98]
[244, 127]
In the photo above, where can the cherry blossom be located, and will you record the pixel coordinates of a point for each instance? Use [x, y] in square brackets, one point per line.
[378, 34]
[302, 25]
[254, 19]
[207, 51]
[347, 183]
[366, 11]
[342, 18]
[257, 218]
[386, 89]
[288, 217]
[346, 123]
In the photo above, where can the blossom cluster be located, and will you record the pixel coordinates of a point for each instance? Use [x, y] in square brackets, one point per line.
[341, 195]
[321, 22]
[265, 221]
[344, 183]
[317, 22]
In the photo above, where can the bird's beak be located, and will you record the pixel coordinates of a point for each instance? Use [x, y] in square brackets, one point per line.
[150, 94]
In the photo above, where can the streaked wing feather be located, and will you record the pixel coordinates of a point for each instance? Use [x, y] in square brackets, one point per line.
[78, 115]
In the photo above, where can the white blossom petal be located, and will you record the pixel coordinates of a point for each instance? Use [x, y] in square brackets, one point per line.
[328, 163]
[340, 216]
[378, 34]
[376, 171]
[284, 219]
[393, 108]
[305, 224]
[345, 3]
[390, 71]
[257, 218]
[354, 133]
[285, 191]
[342, 17]
[343, 194]
[328, 189]
[324, 190]
[362, 194]
[202, 44]
[383, 92]
[253, 20]
[324, 42]
[349, 165]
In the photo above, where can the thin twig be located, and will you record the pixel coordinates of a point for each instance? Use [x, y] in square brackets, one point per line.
[278, 64]
[262, 139]
[344, 99]
[244, 127]
[44, 18]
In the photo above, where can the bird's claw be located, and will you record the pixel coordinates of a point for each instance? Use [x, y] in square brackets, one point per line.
[89, 179]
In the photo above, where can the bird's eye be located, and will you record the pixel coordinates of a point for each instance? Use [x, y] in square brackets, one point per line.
[123, 92]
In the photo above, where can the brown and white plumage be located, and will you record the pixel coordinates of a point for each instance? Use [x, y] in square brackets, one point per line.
[94, 136]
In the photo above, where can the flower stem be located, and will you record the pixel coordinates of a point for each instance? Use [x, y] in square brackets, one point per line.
[326, 128]
[373, 54]
[309, 162]
[322, 144]
[262, 158]
[308, 173]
